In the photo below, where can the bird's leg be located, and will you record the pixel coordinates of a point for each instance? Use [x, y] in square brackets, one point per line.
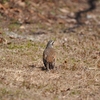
[47, 67]
[50, 66]
[53, 65]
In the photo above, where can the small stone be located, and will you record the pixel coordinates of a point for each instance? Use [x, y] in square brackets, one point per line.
[22, 27]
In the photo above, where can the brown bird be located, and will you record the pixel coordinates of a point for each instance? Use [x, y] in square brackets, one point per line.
[49, 56]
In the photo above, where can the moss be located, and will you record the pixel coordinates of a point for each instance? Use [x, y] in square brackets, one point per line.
[14, 25]
[14, 46]
[4, 92]
[28, 44]
[75, 92]
[4, 1]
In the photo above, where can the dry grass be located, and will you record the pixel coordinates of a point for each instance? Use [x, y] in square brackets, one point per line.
[77, 75]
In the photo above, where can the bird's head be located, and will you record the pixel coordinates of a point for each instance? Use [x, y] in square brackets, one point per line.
[50, 43]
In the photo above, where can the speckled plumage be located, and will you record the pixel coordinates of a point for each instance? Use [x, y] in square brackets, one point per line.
[49, 56]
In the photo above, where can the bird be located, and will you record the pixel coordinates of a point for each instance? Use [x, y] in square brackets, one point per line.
[49, 56]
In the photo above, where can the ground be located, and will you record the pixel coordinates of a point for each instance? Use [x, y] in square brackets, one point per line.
[77, 72]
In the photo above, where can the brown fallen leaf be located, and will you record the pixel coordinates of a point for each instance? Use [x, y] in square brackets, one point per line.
[2, 7]
[0, 32]
[61, 21]
[4, 41]
[1, 40]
